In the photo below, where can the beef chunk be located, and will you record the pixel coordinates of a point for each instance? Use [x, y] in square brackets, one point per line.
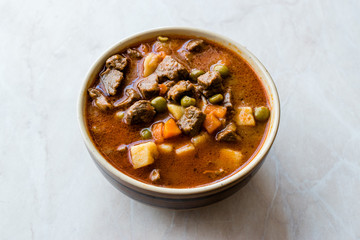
[149, 86]
[134, 53]
[190, 123]
[194, 45]
[228, 134]
[227, 99]
[131, 95]
[111, 79]
[211, 83]
[140, 112]
[99, 99]
[117, 61]
[171, 69]
[169, 84]
[180, 89]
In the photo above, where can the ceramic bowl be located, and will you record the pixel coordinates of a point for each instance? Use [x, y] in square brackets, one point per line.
[184, 198]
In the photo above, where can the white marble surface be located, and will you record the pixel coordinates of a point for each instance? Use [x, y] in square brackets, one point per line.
[308, 188]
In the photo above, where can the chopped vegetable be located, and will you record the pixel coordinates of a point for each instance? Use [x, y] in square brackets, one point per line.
[222, 69]
[159, 103]
[211, 123]
[151, 62]
[217, 110]
[196, 73]
[244, 116]
[119, 115]
[157, 132]
[186, 150]
[165, 148]
[143, 154]
[176, 110]
[217, 98]
[200, 139]
[229, 158]
[163, 89]
[145, 133]
[154, 175]
[187, 101]
[171, 129]
[162, 39]
[261, 113]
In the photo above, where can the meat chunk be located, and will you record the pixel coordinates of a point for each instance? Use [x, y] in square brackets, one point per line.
[149, 86]
[117, 61]
[211, 82]
[134, 53]
[180, 89]
[99, 99]
[131, 95]
[140, 112]
[228, 134]
[171, 69]
[190, 123]
[111, 79]
[194, 45]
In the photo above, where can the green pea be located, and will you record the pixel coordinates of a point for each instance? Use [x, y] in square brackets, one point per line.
[217, 98]
[145, 133]
[196, 73]
[119, 115]
[159, 103]
[262, 113]
[187, 101]
[222, 69]
[162, 39]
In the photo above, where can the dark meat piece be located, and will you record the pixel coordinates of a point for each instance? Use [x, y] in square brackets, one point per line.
[180, 89]
[149, 86]
[190, 123]
[134, 53]
[111, 79]
[131, 95]
[228, 134]
[140, 112]
[171, 69]
[99, 99]
[117, 61]
[169, 84]
[211, 83]
[227, 99]
[194, 45]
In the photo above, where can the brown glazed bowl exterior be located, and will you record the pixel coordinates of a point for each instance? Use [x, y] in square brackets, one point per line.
[182, 198]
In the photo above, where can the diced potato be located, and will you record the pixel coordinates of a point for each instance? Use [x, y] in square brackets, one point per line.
[200, 139]
[186, 150]
[176, 110]
[154, 175]
[143, 154]
[151, 62]
[165, 148]
[229, 158]
[244, 116]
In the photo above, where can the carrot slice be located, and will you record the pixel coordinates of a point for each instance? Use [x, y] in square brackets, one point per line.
[218, 111]
[163, 89]
[171, 129]
[157, 132]
[211, 123]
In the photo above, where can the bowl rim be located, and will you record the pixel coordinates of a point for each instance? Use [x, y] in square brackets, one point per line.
[227, 181]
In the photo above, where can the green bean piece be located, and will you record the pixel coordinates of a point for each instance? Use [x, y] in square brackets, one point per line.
[262, 113]
[217, 98]
[162, 39]
[159, 103]
[187, 101]
[145, 133]
[119, 115]
[222, 69]
[196, 73]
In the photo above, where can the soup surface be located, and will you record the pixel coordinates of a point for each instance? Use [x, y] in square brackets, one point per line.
[177, 112]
